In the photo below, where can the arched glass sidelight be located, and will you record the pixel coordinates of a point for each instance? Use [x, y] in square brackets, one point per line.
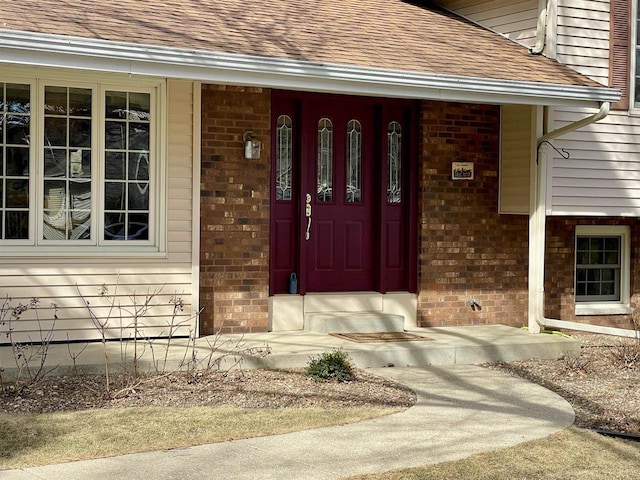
[284, 158]
[354, 162]
[325, 160]
[394, 163]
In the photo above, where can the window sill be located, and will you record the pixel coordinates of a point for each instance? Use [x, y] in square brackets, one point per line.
[93, 252]
[602, 309]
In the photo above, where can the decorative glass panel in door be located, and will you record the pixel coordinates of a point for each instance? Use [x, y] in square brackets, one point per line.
[394, 163]
[284, 158]
[325, 160]
[354, 162]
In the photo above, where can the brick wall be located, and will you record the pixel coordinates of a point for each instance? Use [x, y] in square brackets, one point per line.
[467, 250]
[560, 264]
[234, 250]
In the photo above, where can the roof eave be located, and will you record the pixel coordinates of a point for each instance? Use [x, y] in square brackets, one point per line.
[27, 48]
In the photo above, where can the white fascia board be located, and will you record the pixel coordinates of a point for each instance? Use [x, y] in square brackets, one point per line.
[26, 48]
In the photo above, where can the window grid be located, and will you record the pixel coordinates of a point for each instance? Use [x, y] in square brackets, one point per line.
[52, 186]
[15, 120]
[598, 268]
[127, 180]
[67, 163]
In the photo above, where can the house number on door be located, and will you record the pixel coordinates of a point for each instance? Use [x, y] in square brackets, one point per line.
[307, 213]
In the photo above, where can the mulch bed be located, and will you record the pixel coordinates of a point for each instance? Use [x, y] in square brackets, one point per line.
[242, 388]
[602, 382]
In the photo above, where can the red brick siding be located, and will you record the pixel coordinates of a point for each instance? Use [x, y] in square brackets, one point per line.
[234, 236]
[467, 250]
[560, 264]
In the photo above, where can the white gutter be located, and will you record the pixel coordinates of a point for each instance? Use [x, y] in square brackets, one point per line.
[26, 48]
[599, 115]
[585, 327]
[537, 239]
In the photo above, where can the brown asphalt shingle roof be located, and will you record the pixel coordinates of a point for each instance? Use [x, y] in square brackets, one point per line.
[389, 34]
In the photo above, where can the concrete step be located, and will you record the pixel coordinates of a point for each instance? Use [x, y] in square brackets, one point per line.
[343, 302]
[350, 322]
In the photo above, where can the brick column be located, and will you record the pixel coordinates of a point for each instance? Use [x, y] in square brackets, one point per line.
[234, 249]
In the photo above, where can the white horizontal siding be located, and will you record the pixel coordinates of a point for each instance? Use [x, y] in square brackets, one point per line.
[601, 175]
[583, 37]
[67, 283]
[515, 19]
[68, 287]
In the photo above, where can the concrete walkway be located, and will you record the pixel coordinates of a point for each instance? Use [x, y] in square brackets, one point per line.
[461, 410]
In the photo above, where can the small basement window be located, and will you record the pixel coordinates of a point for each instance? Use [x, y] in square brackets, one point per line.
[602, 270]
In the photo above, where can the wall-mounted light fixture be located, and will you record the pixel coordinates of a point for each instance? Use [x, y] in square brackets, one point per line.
[251, 145]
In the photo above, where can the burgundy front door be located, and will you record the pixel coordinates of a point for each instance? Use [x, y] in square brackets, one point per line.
[343, 208]
[340, 196]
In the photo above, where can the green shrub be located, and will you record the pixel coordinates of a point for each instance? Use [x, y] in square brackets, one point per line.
[335, 365]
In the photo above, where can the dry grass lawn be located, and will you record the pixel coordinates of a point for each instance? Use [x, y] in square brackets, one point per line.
[573, 454]
[41, 439]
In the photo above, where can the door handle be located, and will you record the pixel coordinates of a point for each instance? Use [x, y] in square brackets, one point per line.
[307, 213]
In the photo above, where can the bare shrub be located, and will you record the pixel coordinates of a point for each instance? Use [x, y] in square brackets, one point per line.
[123, 375]
[30, 355]
[219, 353]
[575, 362]
[625, 353]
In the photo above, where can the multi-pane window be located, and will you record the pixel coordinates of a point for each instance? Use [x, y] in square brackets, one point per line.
[598, 265]
[15, 120]
[126, 166]
[67, 158]
[77, 164]
[602, 267]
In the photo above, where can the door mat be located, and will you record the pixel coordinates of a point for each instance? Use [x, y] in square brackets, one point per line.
[373, 337]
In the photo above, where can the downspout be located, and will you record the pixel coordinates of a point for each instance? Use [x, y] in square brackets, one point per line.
[537, 222]
[541, 27]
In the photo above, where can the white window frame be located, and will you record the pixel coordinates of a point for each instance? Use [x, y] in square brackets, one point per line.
[32, 177]
[35, 245]
[610, 307]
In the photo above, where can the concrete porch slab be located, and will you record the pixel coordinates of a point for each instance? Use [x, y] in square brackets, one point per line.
[449, 346]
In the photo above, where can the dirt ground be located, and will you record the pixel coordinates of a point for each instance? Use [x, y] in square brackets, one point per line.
[602, 384]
